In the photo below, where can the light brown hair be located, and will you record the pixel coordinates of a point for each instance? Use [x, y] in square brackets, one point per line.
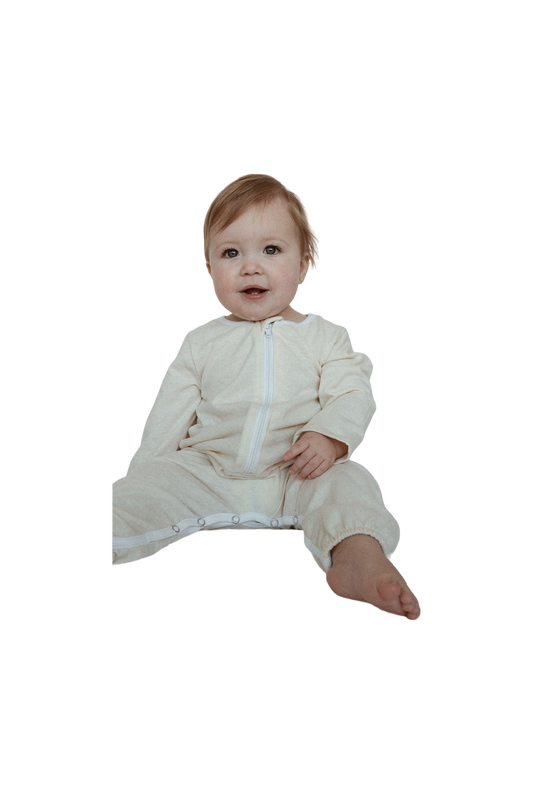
[252, 190]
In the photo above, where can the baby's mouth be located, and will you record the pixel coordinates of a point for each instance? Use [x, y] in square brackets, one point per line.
[253, 291]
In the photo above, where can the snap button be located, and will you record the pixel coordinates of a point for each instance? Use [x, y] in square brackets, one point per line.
[274, 522]
[175, 528]
[295, 519]
[236, 519]
[201, 521]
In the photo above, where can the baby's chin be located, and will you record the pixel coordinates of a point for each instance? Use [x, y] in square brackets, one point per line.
[255, 315]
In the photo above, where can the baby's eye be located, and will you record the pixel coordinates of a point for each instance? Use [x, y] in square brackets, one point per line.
[271, 249]
[230, 253]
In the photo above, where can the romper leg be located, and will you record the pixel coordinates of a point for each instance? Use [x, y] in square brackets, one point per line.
[147, 503]
[344, 501]
[170, 497]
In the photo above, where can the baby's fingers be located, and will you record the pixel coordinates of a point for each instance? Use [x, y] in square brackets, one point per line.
[322, 469]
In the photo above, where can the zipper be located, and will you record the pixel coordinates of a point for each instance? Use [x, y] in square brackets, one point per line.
[261, 422]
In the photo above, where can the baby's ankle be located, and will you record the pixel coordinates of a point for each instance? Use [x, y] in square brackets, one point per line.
[355, 544]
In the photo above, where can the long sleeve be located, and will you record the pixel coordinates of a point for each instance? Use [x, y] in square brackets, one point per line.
[174, 410]
[345, 396]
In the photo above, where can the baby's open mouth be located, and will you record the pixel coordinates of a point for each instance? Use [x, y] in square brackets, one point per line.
[253, 291]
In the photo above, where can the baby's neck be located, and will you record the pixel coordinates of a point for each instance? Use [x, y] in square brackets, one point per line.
[288, 314]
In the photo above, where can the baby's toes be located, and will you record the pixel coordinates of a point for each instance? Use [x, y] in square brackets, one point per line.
[409, 604]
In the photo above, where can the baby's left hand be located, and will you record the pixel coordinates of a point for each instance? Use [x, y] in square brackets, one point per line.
[314, 454]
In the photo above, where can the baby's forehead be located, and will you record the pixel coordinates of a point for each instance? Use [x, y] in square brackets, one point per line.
[266, 219]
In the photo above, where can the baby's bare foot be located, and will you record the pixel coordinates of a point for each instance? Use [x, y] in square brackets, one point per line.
[361, 571]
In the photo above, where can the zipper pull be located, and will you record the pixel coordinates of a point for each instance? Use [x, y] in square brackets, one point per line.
[268, 329]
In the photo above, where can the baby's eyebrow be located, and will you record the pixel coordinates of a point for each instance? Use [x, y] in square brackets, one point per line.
[273, 238]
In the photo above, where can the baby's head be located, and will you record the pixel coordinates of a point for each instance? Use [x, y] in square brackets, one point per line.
[256, 234]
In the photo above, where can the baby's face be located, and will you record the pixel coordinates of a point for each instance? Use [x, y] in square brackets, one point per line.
[260, 249]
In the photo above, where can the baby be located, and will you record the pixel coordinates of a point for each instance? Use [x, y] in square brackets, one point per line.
[259, 414]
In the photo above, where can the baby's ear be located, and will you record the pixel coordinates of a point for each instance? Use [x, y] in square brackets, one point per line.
[208, 266]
